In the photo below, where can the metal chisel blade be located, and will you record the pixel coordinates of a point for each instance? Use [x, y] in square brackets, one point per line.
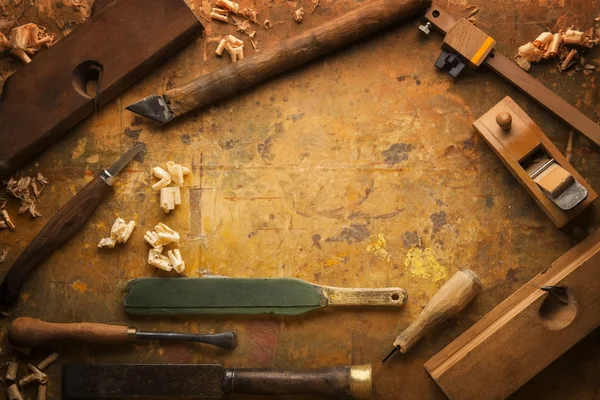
[114, 381]
[153, 107]
[126, 158]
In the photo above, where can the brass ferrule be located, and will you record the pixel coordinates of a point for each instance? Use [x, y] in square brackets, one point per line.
[131, 334]
[360, 382]
[107, 177]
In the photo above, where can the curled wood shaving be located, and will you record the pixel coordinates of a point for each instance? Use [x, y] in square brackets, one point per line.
[23, 189]
[250, 15]
[3, 255]
[299, 15]
[243, 26]
[316, 3]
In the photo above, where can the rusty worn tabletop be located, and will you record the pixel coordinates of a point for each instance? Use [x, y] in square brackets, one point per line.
[294, 177]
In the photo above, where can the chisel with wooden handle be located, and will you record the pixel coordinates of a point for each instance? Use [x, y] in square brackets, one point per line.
[290, 53]
[28, 332]
[213, 382]
[63, 225]
[449, 300]
[282, 296]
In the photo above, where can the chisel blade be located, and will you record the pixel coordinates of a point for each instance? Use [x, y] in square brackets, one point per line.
[153, 107]
[142, 381]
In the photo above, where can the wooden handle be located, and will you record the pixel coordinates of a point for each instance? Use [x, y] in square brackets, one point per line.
[65, 223]
[290, 53]
[339, 383]
[364, 297]
[452, 297]
[30, 332]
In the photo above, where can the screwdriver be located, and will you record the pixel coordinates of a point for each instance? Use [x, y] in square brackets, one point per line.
[450, 299]
[28, 332]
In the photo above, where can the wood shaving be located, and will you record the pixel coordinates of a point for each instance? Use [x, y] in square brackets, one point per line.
[170, 196]
[299, 15]
[161, 236]
[229, 5]
[219, 14]
[250, 15]
[120, 232]
[25, 39]
[567, 45]
[7, 220]
[3, 255]
[267, 24]
[243, 25]
[27, 190]
[473, 13]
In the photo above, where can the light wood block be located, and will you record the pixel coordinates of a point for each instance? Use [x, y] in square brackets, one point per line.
[469, 41]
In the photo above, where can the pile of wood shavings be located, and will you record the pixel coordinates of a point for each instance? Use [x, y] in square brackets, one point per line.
[567, 46]
[27, 190]
[25, 40]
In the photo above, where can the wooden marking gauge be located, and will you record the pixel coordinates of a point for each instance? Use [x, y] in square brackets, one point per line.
[536, 163]
[465, 43]
[526, 332]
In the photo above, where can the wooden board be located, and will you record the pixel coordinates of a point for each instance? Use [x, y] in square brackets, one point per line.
[513, 146]
[526, 332]
[155, 296]
[47, 97]
[469, 41]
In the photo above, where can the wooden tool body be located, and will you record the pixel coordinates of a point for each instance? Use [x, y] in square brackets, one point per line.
[211, 382]
[526, 332]
[27, 332]
[61, 227]
[450, 299]
[115, 47]
[516, 143]
[169, 296]
[338, 32]
[510, 71]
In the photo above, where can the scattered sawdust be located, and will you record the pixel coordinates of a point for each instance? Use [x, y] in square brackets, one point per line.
[423, 263]
[378, 247]
[243, 25]
[27, 190]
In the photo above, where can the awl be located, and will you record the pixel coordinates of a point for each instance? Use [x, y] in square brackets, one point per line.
[106, 381]
[290, 53]
[28, 332]
[450, 299]
[63, 225]
[282, 296]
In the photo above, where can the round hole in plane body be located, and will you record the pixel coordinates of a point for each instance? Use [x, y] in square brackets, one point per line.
[86, 78]
[435, 13]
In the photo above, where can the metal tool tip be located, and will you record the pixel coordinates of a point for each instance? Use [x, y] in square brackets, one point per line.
[153, 107]
[394, 351]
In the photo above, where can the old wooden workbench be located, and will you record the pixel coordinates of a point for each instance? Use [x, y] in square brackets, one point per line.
[293, 177]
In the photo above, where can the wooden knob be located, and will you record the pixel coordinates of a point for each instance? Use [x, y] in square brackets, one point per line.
[504, 120]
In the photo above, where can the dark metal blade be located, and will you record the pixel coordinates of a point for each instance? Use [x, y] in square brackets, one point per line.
[112, 381]
[153, 107]
[394, 351]
[225, 340]
[126, 158]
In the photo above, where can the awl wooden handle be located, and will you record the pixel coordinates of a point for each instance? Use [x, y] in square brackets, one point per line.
[63, 225]
[450, 299]
[290, 53]
[31, 332]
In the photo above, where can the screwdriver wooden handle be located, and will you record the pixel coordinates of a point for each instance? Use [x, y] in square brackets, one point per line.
[63, 225]
[30, 332]
[450, 299]
[290, 53]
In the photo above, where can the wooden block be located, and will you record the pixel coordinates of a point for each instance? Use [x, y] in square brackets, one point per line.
[469, 41]
[514, 145]
[47, 97]
[526, 332]
[554, 180]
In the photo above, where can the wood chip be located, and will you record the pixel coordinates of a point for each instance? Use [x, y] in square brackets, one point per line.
[473, 13]
[299, 15]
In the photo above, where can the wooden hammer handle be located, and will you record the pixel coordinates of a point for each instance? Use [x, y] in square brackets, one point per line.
[450, 299]
[290, 53]
[30, 332]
